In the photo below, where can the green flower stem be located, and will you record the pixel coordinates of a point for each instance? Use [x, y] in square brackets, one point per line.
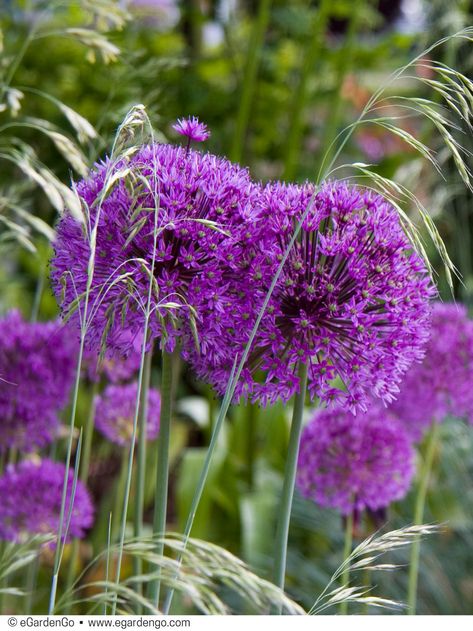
[251, 417]
[141, 469]
[423, 485]
[120, 490]
[346, 553]
[299, 101]
[161, 497]
[282, 531]
[249, 80]
[83, 476]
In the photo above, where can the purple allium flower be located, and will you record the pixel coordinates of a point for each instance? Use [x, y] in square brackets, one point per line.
[37, 367]
[115, 368]
[352, 300]
[207, 226]
[192, 129]
[355, 462]
[115, 411]
[31, 495]
[442, 384]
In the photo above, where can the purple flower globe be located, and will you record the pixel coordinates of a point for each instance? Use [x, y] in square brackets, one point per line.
[441, 385]
[37, 368]
[207, 228]
[115, 412]
[352, 301]
[353, 463]
[31, 495]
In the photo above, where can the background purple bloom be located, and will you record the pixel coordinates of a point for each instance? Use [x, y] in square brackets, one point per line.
[442, 384]
[200, 266]
[37, 368]
[115, 411]
[352, 301]
[31, 495]
[355, 462]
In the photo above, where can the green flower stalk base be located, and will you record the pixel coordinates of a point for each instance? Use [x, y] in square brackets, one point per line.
[346, 553]
[161, 498]
[424, 479]
[289, 481]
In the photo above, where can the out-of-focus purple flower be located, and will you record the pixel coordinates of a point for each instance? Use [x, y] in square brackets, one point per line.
[352, 300]
[442, 384]
[192, 129]
[353, 463]
[31, 495]
[37, 367]
[115, 411]
[206, 238]
[114, 368]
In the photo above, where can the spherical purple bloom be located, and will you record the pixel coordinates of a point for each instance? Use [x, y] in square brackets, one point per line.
[441, 385]
[192, 129]
[115, 412]
[206, 225]
[37, 367]
[352, 300]
[31, 495]
[353, 463]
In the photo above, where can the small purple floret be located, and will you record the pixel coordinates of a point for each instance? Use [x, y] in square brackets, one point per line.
[192, 129]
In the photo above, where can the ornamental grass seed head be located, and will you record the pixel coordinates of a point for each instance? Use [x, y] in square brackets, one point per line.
[353, 463]
[31, 495]
[115, 412]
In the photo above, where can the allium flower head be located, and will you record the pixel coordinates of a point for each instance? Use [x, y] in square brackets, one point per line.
[192, 129]
[353, 463]
[115, 411]
[37, 367]
[31, 495]
[351, 302]
[442, 384]
[206, 234]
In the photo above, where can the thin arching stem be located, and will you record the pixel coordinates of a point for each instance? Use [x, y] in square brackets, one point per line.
[346, 553]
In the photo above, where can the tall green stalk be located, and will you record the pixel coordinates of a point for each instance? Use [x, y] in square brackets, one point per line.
[161, 497]
[299, 101]
[83, 476]
[346, 553]
[249, 80]
[282, 530]
[424, 478]
[141, 469]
